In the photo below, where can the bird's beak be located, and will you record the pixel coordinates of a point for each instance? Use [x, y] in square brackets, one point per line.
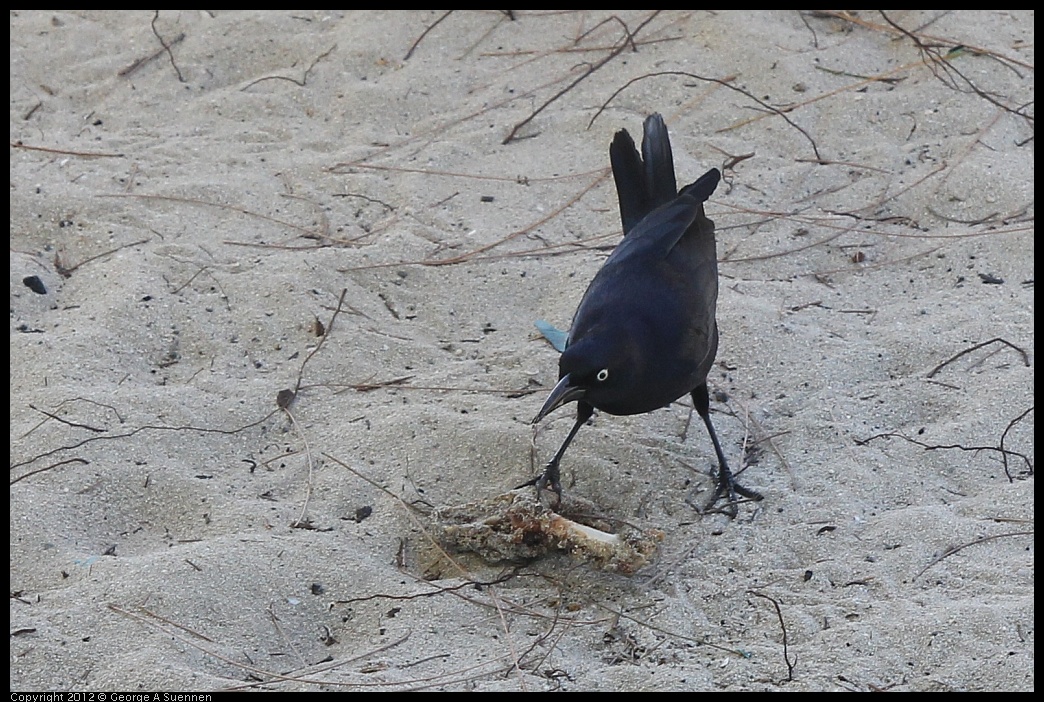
[563, 393]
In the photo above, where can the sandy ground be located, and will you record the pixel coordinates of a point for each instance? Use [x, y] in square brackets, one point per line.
[194, 217]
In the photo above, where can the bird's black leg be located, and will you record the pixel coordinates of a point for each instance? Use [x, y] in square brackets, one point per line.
[551, 476]
[727, 485]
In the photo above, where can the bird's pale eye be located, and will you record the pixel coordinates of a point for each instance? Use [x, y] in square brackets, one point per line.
[602, 375]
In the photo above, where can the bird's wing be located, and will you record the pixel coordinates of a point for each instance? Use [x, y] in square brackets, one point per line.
[704, 186]
[659, 232]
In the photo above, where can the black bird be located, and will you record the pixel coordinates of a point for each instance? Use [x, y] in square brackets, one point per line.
[645, 333]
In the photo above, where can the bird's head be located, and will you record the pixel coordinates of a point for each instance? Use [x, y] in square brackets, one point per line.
[595, 370]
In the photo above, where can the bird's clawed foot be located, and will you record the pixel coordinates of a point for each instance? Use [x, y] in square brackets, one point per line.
[550, 478]
[729, 489]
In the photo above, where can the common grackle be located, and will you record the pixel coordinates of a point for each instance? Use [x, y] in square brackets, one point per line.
[645, 333]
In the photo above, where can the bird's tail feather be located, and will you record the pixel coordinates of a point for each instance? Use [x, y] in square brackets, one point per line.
[646, 181]
[629, 174]
[660, 183]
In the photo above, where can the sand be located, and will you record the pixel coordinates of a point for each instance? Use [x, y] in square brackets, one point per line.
[195, 213]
